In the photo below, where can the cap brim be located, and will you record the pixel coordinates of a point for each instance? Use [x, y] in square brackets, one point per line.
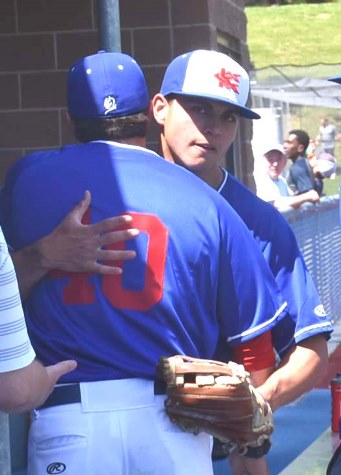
[272, 147]
[240, 110]
[335, 79]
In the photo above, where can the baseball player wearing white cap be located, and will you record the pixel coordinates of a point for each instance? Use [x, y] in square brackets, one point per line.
[198, 275]
[201, 96]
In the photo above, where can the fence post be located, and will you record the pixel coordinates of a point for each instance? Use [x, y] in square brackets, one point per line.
[5, 455]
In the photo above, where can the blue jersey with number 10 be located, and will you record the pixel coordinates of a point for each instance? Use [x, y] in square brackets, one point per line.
[198, 273]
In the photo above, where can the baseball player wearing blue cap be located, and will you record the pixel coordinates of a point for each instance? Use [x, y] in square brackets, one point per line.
[201, 97]
[198, 275]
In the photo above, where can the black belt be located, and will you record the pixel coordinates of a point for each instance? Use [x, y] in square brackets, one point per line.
[71, 393]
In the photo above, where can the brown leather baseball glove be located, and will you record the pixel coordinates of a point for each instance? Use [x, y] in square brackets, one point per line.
[217, 398]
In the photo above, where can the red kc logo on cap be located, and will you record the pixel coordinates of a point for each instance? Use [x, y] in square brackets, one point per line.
[228, 80]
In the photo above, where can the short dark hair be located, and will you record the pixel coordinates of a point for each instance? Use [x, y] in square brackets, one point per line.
[302, 137]
[114, 128]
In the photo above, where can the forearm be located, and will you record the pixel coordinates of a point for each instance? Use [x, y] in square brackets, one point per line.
[297, 373]
[27, 388]
[30, 266]
[296, 201]
[24, 389]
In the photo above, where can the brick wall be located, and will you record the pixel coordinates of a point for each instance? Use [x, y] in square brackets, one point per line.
[40, 39]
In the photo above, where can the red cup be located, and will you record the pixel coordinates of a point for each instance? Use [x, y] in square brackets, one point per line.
[335, 386]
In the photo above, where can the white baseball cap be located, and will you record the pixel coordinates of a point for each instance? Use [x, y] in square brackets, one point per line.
[210, 75]
[271, 146]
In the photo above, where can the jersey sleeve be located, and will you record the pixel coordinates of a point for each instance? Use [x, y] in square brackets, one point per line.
[247, 288]
[306, 316]
[256, 354]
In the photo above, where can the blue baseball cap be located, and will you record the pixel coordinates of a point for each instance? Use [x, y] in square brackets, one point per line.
[335, 79]
[211, 75]
[106, 84]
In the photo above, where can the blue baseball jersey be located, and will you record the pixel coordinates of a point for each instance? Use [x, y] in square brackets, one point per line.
[197, 274]
[306, 315]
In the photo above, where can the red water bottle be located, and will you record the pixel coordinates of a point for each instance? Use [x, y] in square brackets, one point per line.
[336, 402]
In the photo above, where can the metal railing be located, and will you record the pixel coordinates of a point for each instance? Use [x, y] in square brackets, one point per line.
[318, 233]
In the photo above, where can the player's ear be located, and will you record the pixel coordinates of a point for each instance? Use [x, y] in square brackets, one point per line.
[160, 107]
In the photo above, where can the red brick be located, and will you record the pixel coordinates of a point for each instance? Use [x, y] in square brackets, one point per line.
[154, 77]
[9, 91]
[26, 52]
[52, 15]
[126, 41]
[192, 37]
[40, 90]
[72, 46]
[189, 12]
[7, 158]
[229, 19]
[137, 13]
[7, 18]
[66, 132]
[29, 129]
[152, 46]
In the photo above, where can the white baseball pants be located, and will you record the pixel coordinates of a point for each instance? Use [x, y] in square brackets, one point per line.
[119, 428]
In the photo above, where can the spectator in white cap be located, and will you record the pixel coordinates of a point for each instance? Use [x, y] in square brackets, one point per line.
[271, 185]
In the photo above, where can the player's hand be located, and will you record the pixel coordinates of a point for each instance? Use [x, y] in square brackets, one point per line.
[312, 196]
[29, 387]
[56, 371]
[52, 375]
[77, 247]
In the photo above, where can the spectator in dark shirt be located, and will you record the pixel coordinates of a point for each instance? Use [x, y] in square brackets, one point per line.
[301, 177]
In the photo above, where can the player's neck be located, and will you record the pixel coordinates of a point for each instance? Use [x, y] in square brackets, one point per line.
[136, 141]
[212, 177]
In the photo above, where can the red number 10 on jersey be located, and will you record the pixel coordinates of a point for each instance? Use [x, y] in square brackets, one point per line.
[79, 290]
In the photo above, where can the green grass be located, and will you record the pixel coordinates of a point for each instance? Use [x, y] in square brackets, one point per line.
[299, 35]
[294, 34]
